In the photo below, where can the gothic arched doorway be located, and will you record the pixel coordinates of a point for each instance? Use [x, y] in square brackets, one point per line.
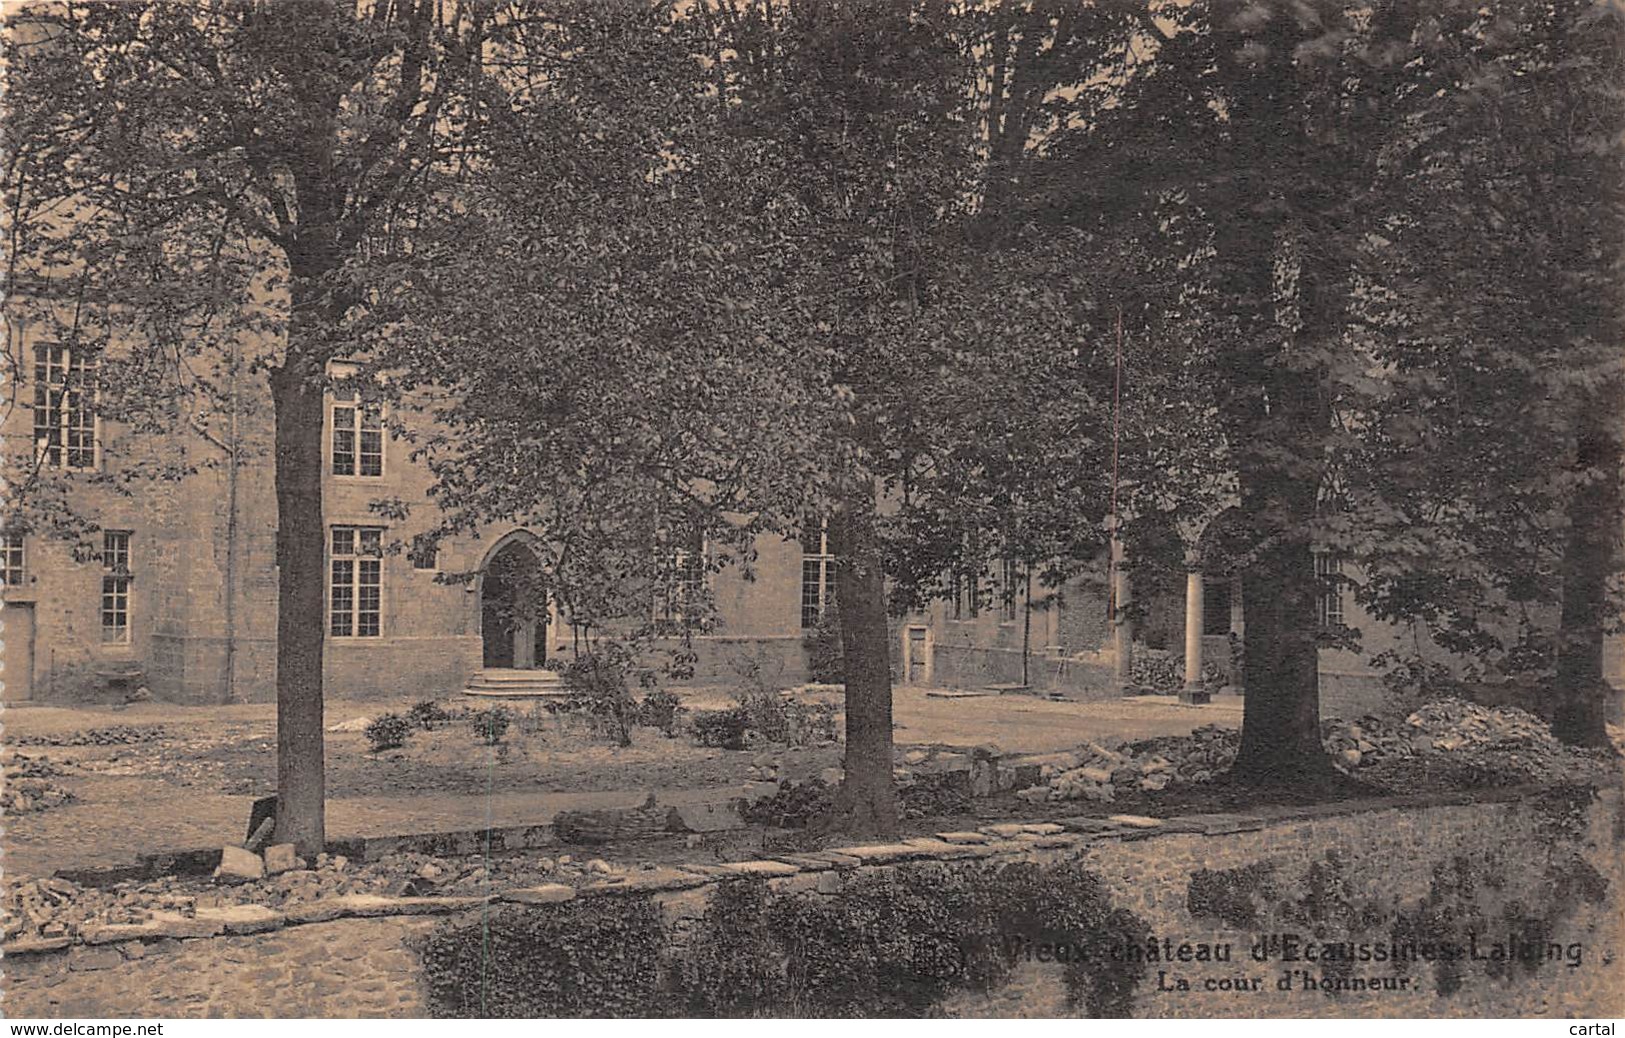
[513, 608]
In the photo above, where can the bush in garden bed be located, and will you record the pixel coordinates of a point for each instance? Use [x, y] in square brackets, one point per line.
[600, 682]
[590, 958]
[897, 946]
[490, 725]
[658, 709]
[427, 714]
[388, 732]
[885, 946]
[722, 729]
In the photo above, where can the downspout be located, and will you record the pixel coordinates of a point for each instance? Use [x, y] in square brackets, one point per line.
[1027, 630]
[232, 452]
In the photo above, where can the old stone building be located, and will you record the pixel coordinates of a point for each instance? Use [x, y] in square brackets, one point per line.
[170, 583]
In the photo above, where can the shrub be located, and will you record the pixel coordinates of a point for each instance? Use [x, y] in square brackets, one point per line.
[427, 714]
[658, 709]
[490, 725]
[764, 714]
[775, 715]
[811, 724]
[388, 732]
[600, 681]
[826, 662]
[722, 729]
[794, 806]
[588, 958]
[897, 946]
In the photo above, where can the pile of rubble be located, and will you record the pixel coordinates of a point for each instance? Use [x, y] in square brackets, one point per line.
[1508, 744]
[55, 907]
[1449, 743]
[114, 735]
[1093, 772]
[29, 786]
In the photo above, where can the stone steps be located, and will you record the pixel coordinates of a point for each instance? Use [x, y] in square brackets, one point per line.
[496, 683]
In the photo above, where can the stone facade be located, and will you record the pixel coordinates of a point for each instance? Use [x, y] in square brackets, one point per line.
[202, 585]
[202, 591]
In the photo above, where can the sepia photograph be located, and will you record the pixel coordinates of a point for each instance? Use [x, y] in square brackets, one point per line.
[805, 509]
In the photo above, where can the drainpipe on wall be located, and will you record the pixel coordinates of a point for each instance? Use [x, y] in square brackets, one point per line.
[1027, 631]
[232, 451]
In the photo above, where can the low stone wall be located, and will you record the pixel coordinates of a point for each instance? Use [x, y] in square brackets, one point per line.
[1264, 886]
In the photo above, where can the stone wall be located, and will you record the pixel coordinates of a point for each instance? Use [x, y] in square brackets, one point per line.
[1210, 881]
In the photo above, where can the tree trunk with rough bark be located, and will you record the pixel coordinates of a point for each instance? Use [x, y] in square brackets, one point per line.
[867, 803]
[298, 396]
[296, 393]
[1591, 557]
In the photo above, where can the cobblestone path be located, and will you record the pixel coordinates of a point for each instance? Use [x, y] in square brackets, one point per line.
[347, 968]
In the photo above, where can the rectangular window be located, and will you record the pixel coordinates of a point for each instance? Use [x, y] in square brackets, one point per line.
[967, 589]
[680, 599]
[355, 600]
[65, 406]
[425, 554]
[817, 572]
[1011, 588]
[12, 571]
[1328, 571]
[116, 586]
[358, 438]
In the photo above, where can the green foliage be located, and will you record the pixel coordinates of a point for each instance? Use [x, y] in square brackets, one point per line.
[826, 661]
[1483, 896]
[1230, 896]
[658, 709]
[897, 945]
[588, 958]
[490, 725]
[600, 680]
[389, 732]
[427, 714]
[795, 806]
[775, 715]
[722, 729]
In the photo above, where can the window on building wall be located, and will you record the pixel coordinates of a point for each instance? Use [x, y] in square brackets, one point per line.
[356, 600]
[12, 564]
[817, 572]
[1328, 570]
[358, 438]
[1216, 606]
[65, 406]
[1011, 587]
[681, 582]
[116, 586]
[425, 554]
[967, 589]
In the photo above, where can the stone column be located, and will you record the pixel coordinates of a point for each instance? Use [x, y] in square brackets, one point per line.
[1122, 626]
[1193, 692]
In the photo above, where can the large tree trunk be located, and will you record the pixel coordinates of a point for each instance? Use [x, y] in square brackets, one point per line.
[867, 803]
[1591, 557]
[1284, 418]
[1280, 727]
[301, 551]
